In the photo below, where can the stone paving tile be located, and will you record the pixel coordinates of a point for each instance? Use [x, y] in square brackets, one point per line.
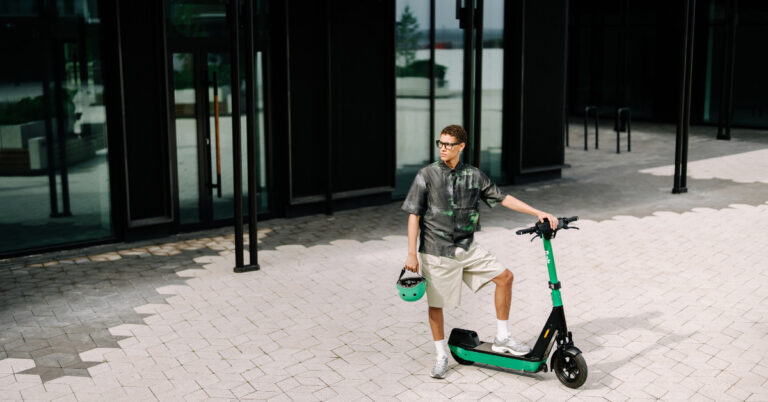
[747, 167]
[53, 313]
[663, 295]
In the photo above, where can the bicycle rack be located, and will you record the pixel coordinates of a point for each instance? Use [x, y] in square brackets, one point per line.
[619, 126]
[597, 124]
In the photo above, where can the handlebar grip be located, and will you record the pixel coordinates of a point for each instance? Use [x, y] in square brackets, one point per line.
[526, 231]
[571, 219]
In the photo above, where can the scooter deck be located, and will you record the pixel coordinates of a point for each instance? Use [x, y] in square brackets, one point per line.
[485, 355]
[467, 346]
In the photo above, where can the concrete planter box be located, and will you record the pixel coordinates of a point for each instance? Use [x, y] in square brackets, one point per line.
[32, 158]
[418, 87]
[16, 136]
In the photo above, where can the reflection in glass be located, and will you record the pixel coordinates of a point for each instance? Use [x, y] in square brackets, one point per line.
[186, 136]
[196, 19]
[449, 66]
[260, 135]
[223, 207]
[493, 84]
[412, 86]
[54, 176]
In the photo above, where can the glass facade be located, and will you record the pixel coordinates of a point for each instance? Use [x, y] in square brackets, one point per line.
[412, 58]
[449, 67]
[185, 125]
[203, 112]
[218, 66]
[492, 89]
[413, 91]
[54, 175]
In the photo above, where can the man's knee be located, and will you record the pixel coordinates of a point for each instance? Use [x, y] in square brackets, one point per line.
[505, 278]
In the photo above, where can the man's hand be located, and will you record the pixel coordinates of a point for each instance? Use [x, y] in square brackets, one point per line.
[412, 263]
[552, 219]
[519, 206]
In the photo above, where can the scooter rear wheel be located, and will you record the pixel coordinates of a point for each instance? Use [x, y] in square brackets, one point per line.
[570, 370]
[460, 360]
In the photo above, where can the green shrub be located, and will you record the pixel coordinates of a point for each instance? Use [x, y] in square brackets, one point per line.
[420, 68]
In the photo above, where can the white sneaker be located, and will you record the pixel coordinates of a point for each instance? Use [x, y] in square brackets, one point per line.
[511, 346]
[441, 366]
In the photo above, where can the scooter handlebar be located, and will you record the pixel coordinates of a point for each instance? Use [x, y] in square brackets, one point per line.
[540, 227]
[526, 231]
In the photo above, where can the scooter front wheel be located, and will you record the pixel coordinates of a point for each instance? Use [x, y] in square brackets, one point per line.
[570, 370]
[460, 360]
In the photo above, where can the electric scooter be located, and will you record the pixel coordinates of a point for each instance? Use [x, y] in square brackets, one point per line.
[567, 361]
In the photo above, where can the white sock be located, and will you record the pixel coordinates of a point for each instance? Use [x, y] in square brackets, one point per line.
[440, 348]
[502, 329]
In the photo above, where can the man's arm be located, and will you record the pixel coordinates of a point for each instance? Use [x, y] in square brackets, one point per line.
[519, 206]
[412, 263]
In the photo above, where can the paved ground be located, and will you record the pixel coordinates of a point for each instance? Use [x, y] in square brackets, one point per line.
[664, 294]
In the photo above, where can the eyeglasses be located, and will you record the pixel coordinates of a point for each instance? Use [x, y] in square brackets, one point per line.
[447, 145]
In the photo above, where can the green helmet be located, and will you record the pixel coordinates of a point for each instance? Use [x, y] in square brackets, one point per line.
[411, 289]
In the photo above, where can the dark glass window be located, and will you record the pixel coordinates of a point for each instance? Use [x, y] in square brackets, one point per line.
[412, 88]
[54, 176]
[493, 89]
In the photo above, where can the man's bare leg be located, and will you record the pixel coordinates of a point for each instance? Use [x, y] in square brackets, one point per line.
[504, 343]
[503, 296]
[436, 323]
[438, 335]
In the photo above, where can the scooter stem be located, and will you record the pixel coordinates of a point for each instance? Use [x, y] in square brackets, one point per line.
[553, 282]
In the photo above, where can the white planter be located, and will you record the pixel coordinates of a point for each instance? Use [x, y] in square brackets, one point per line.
[18, 135]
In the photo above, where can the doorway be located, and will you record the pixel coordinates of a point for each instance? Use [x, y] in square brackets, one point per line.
[202, 117]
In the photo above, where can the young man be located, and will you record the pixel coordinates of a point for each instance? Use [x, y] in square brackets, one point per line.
[443, 207]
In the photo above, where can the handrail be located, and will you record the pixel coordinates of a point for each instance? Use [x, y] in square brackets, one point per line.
[218, 141]
[627, 113]
[597, 125]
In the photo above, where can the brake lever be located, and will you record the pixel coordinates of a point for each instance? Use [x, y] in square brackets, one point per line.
[571, 227]
[534, 237]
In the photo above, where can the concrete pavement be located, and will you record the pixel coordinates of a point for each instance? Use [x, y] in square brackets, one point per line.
[664, 295]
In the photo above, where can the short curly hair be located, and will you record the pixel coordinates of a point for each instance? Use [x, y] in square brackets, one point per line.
[456, 131]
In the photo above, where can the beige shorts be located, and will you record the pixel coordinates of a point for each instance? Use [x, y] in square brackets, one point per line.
[476, 267]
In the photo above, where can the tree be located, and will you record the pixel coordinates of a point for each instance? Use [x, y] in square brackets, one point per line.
[406, 37]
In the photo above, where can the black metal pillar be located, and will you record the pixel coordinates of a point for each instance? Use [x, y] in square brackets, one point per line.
[431, 136]
[59, 60]
[623, 62]
[61, 127]
[684, 116]
[250, 132]
[466, 17]
[49, 145]
[726, 89]
[478, 69]
[237, 164]
[329, 121]
[566, 128]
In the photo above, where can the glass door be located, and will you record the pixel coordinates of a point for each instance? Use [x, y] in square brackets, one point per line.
[202, 96]
[219, 137]
[188, 135]
[198, 33]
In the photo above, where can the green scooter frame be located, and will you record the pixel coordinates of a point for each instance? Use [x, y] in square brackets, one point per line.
[567, 361]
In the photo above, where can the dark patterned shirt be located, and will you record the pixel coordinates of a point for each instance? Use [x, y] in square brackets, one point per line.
[447, 201]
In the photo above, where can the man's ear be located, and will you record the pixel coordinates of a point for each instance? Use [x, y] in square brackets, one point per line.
[462, 146]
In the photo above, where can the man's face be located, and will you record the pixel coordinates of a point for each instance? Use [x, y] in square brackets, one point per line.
[449, 154]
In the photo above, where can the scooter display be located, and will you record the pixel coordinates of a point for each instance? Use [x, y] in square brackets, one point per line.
[567, 361]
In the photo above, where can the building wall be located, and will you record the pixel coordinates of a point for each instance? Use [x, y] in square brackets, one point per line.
[648, 81]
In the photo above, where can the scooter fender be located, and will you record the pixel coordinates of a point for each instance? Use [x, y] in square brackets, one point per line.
[571, 350]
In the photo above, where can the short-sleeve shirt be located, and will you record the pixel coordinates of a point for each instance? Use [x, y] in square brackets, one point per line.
[447, 201]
